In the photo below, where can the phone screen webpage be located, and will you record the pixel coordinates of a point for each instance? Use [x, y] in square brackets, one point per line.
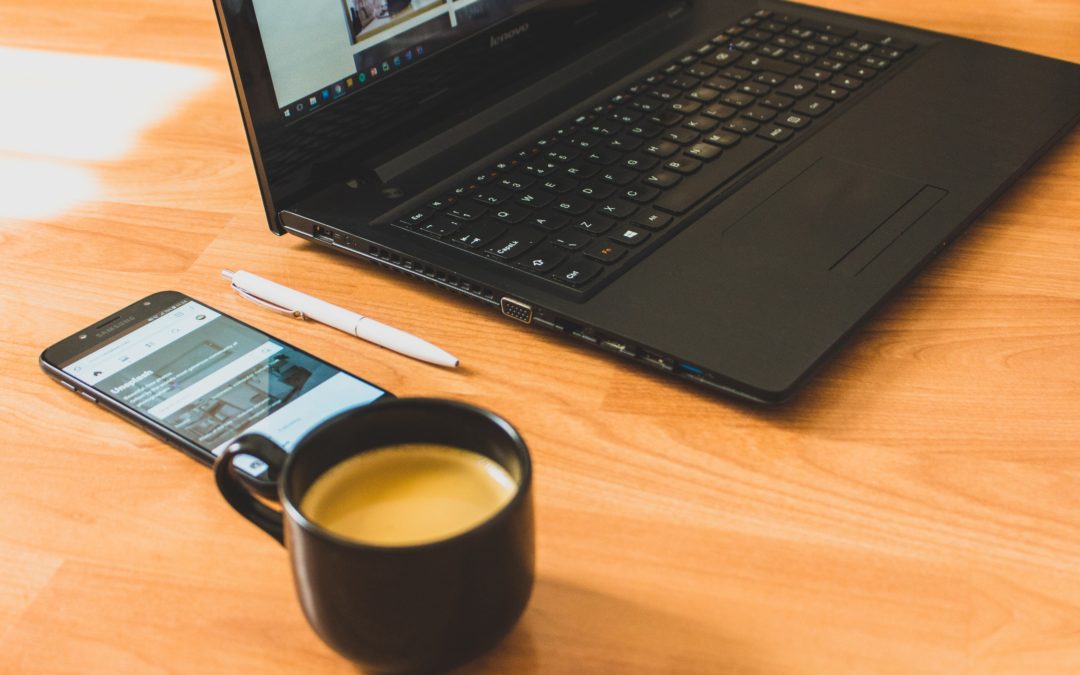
[210, 379]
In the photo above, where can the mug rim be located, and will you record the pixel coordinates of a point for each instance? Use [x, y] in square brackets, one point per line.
[294, 513]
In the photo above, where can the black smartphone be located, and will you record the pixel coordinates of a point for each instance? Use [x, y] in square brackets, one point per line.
[197, 378]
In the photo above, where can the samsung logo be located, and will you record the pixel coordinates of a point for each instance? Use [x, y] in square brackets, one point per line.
[115, 326]
[497, 40]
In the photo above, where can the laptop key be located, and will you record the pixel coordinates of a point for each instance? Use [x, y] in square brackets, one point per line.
[535, 199]
[738, 99]
[440, 227]
[576, 272]
[491, 196]
[548, 221]
[776, 133]
[596, 191]
[631, 236]
[616, 208]
[640, 163]
[703, 151]
[662, 148]
[542, 259]
[816, 74]
[861, 72]
[793, 120]
[605, 252]
[515, 183]
[625, 143]
[558, 185]
[594, 224]
[741, 126]
[759, 114]
[477, 234]
[777, 102]
[575, 206]
[654, 220]
[417, 217]
[684, 165]
[641, 195]
[509, 213]
[663, 179]
[681, 136]
[847, 82]
[515, 243]
[464, 211]
[720, 112]
[619, 176]
[714, 174]
[832, 92]
[571, 240]
[797, 88]
[813, 106]
[724, 139]
[685, 107]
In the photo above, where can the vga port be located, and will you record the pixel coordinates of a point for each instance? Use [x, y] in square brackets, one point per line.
[515, 309]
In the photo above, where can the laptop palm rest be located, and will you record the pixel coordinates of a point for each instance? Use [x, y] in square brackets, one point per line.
[835, 215]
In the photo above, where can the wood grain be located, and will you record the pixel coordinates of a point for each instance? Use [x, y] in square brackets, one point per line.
[917, 509]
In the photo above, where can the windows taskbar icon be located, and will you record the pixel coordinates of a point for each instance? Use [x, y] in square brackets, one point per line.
[339, 89]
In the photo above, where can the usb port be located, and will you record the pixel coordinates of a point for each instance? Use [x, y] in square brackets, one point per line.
[658, 361]
[619, 347]
[323, 234]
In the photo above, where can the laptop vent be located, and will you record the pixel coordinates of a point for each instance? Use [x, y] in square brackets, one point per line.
[433, 275]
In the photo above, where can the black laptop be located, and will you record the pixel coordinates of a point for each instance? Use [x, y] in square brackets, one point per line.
[722, 191]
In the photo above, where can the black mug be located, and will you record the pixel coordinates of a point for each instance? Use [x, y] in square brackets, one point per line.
[396, 609]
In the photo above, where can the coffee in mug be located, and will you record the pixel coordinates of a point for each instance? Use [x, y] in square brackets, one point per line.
[408, 494]
[409, 526]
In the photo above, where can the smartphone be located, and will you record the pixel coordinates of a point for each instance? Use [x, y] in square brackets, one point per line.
[197, 378]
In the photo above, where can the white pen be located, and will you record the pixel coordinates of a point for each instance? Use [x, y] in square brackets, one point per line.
[283, 299]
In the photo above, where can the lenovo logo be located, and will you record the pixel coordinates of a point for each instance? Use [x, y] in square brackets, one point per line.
[497, 40]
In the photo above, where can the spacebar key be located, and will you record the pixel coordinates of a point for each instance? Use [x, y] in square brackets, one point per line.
[714, 174]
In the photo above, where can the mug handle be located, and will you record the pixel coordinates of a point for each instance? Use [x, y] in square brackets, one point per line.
[240, 489]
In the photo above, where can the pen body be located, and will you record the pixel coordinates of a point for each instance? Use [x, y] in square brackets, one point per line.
[342, 319]
[313, 308]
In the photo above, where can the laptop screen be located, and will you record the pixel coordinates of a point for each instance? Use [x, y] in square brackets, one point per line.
[320, 51]
[332, 90]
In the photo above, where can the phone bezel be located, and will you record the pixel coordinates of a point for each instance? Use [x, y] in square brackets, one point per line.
[98, 334]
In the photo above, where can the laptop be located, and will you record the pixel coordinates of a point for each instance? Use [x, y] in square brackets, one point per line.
[720, 191]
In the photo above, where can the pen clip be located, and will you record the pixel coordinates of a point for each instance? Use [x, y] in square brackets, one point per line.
[295, 313]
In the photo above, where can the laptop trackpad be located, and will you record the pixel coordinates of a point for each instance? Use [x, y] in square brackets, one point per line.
[835, 215]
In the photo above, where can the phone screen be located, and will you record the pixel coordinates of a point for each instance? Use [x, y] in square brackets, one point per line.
[210, 378]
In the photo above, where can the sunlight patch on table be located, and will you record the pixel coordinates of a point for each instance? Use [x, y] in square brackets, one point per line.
[39, 190]
[80, 107]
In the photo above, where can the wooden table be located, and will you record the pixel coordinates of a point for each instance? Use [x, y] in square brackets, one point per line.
[917, 509]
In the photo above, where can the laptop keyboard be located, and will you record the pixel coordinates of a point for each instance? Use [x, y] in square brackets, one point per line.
[579, 205]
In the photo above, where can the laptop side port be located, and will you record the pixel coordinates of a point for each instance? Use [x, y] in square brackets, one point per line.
[323, 234]
[658, 361]
[618, 347]
[515, 309]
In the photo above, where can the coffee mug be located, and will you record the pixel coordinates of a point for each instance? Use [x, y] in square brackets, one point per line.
[396, 608]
